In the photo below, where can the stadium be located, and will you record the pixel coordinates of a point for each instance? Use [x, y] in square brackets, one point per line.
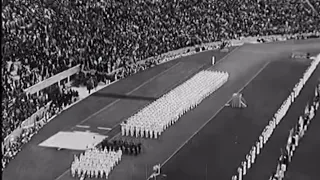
[234, 106]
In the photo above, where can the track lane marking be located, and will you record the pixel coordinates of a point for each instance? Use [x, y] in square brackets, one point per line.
[196, 132]
[82, 126]
[114, 102]
[94, 114]
[238, 47]
[223, 58]
[104, 128]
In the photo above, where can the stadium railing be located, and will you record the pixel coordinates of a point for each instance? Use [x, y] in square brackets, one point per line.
[27, 123]
[52, 80]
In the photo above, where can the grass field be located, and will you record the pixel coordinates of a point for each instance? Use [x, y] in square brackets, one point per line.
[208, 132]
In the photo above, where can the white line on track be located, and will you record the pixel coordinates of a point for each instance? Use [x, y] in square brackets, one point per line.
[104, 128]
[180, 147]
[114, 102]
[137, 89]
[144, 106]
[82, 126]
[149, 80]
[199, 68]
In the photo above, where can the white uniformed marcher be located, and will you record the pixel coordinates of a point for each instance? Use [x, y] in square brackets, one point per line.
[240, 173]
[234, 177]
[253, 154]
[244, 167]
[258, 147]
[248, 157]
[165, 111]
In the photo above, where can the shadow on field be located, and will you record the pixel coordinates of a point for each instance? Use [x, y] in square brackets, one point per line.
[122, 96]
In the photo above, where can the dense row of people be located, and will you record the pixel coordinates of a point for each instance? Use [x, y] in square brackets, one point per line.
[15, 146]
[22, 107]
[278, 116]
[154, 119]
[59, 99]
[127, 148]
[95, 163]
[316, 5]
[295, 136]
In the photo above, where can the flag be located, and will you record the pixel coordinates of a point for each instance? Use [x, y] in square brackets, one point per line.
[238, 101]
[157, 169]
[290, 136]
[306, 110]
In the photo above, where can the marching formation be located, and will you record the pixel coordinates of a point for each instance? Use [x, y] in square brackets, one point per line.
[267, 132]
[127, 148]
[296, 135]
[152, 120]
[95, 163]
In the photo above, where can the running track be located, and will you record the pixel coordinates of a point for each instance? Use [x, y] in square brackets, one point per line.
[104, 109]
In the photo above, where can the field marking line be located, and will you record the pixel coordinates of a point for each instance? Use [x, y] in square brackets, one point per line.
[139, 87]
[179, 82]
[190, 70]
[196, 132]
[94, 114]
[117, 100]
[227, 55]
[104, 128]
[82, 126]
[258, 52]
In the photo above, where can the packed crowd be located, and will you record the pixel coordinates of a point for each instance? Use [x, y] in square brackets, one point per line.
[296, 135]
[16, 145]
[58, 100]
[25, 105]
[155, 118]
[95, 163]
[316, 5]
[127, 148]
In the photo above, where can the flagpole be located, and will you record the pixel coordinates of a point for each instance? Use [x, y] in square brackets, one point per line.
[206, 172]
[146, 172]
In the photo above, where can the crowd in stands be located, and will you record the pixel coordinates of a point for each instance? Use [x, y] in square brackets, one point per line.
[316, 5]
[42, 38]
[58, 100]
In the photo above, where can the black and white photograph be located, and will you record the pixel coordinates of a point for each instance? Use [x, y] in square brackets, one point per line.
[160, 89]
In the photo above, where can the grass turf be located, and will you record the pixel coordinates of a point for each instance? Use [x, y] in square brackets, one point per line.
[217, 152]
